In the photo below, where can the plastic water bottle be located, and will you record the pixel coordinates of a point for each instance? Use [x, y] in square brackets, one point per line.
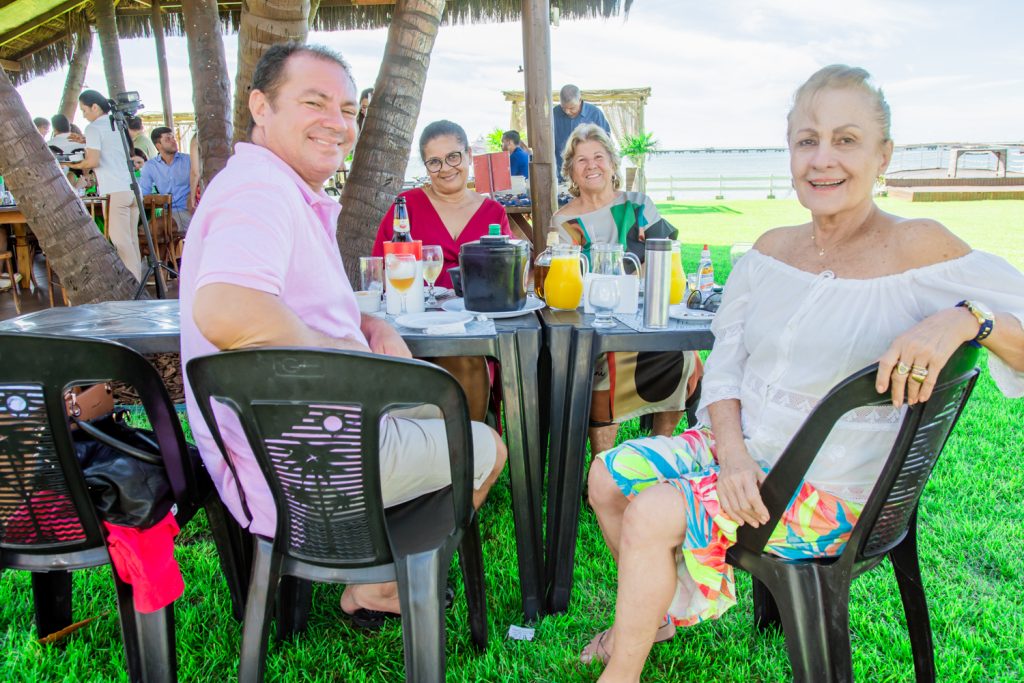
[705, 273]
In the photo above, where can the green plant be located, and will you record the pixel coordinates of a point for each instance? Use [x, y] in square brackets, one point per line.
[636, 148]
[494, 140]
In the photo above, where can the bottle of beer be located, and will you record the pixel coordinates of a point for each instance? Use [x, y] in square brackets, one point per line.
[401, 224]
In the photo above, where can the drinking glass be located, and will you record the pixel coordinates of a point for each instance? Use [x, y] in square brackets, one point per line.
[737, 251]
[604, 297]
[371, 274]
[433, 261]
[401, 274]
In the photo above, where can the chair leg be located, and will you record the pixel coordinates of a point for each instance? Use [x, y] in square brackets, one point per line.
[51, 592]
[234, 547]
[149, 639]
[259, 608]
[814, 607]
[766, 612]
[295, 598]
[471, 560]
[915, 606]
[421, 580]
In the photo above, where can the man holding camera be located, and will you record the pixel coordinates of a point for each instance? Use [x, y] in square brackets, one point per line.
[104, 154]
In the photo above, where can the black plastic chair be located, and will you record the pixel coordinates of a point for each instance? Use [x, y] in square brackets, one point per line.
[48, 524]
[312, 418]
[811, 598]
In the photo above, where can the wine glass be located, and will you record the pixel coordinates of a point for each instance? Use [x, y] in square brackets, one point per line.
[401, 274]
[604, 297]
[433, 262]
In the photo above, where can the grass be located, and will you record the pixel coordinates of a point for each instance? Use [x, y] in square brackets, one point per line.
[970, 540]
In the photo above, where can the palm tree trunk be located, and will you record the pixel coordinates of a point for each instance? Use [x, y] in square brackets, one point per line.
[107, 28]
[263, 23]
[88, 266]
[211, 89]
[76, 73]
[378, 169]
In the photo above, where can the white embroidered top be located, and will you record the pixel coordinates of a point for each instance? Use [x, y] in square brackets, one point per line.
[784, 337]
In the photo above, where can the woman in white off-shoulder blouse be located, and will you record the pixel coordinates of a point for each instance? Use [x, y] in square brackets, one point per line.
[808, 306]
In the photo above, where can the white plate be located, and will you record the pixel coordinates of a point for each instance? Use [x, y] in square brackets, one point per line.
[421, 321]
[459, 306]
[681, 312]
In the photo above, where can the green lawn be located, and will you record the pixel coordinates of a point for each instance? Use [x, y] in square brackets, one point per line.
[970, 537]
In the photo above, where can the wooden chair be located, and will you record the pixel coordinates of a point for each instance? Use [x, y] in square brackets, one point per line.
[7, 258]
[161, 223]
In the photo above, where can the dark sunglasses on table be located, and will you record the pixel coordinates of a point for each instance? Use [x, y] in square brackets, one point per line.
[704, 303]
[453, 159]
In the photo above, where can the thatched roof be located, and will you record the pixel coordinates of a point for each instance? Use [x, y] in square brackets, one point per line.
[36, 35]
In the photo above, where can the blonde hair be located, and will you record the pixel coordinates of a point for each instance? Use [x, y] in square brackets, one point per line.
[589, 132]
[839, 77]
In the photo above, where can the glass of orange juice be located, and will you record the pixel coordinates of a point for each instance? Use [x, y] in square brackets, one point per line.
[401, 273]
[677, 291]
[563, 286]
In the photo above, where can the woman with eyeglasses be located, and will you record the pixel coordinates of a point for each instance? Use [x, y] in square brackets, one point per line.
[807, 306]
[626, 384]
[447, 213]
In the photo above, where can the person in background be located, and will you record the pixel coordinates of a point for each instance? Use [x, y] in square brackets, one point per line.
[262, 268]
[364, 103]
[808, 305]
[447, 213]
[519, 160]
[62, 135]
[170, 173]
[105, 154]
[195, 179]
[42, 125]
[626, 384]
[570, 112]
[139, 159]
[137, 132]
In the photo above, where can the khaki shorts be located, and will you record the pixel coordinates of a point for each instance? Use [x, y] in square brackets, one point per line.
[414, 454]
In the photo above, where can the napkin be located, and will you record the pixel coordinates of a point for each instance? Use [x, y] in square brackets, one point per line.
[446, 328]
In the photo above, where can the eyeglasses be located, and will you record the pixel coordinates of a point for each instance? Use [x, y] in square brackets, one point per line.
[453, 159]
[698, 301]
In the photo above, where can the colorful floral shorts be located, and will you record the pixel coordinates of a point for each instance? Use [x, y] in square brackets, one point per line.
[816, 523]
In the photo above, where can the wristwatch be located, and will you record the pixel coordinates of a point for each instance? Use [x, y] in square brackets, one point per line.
[984, 316]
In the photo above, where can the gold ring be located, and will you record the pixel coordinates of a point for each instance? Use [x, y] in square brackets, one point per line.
[919, 374]
[902, 368]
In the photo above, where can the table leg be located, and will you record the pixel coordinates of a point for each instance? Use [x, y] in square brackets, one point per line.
[518, 357]
[567, 460]
[521, 225]
[23, 254]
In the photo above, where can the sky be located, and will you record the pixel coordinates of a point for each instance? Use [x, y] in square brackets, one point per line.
[722, 73]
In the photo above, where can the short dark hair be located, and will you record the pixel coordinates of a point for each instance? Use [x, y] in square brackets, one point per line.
[269, 71]
[367, 93]
[60, 123]
[439, 129]
[134, 123]
[40, 121]
[139, 153]
[92, 97]
[158, 133]
[512, 135]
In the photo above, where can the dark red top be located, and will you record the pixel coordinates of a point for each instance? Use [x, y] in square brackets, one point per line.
[426, 225]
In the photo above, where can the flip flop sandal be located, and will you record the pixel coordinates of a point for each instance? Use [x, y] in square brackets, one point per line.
[597, 650]
[373, 620]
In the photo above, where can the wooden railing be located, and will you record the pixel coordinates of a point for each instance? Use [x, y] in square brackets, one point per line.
[720, 185]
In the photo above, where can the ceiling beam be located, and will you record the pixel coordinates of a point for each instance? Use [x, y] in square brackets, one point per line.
[36, 22]
[9, 65]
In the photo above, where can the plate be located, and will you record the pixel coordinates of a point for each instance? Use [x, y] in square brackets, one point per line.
[421, 321]
[459, 306]
[681, 312]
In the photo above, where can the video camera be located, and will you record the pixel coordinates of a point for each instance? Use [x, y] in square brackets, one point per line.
[126, 103]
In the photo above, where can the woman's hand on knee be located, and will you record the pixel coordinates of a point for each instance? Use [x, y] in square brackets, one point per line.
[739, 481]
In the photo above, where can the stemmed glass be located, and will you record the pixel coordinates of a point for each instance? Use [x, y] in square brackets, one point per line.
[401, 274]
[604, 297]
[433, 262]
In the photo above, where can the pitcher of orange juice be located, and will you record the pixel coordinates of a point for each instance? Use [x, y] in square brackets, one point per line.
[563, 286]
[677, 291]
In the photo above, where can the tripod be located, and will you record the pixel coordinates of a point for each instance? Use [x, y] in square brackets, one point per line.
[153, 266]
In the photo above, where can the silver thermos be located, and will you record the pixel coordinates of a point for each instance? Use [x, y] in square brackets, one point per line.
[657, 282]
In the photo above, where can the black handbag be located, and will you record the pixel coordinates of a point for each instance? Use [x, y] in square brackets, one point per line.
[124, 472]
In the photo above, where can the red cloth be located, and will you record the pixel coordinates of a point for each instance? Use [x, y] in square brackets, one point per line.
[426, 225]
[145, 559]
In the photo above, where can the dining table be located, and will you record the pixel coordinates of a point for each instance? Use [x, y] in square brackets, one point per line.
[153, 326]
[13, 216]
[571, 348]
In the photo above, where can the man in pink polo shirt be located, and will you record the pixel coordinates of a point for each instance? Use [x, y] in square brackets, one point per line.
[261, 267]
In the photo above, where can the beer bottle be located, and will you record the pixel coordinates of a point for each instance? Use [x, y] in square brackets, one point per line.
[401, 224]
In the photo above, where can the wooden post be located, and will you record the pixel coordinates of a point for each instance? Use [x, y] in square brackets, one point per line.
[106, 27]
[537, 59]
[76, 73]
[157, 21]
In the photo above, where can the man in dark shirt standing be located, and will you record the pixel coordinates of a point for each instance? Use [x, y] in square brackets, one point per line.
[569, 113]
[519, 160]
